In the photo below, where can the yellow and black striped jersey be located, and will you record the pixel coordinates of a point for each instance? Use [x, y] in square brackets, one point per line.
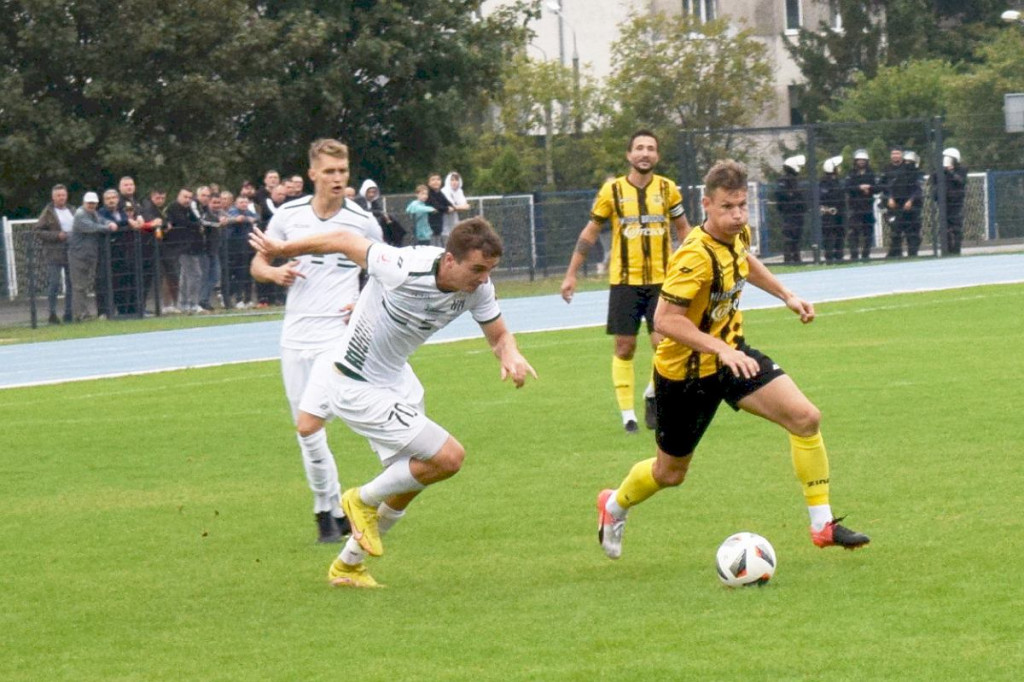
[706, 276]
[640, 221]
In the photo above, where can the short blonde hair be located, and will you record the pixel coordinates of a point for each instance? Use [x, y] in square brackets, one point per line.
[422, 188]
[328, 146]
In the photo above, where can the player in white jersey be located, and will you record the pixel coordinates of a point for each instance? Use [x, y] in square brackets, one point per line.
[412, 293]
[321, 293]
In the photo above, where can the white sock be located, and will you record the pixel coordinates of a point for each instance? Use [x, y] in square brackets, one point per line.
[394, 480]
[387, 517]
[649, 391]
[628, 416]
[321, 471]
[613, 507]
[820, 515]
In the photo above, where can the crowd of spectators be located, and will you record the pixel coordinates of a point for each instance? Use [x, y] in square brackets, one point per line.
[189, 254]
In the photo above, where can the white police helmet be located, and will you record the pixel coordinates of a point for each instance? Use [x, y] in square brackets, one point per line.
[832, 164]
[911, 157]
[795, 163]
[861, 155]
[952, 152]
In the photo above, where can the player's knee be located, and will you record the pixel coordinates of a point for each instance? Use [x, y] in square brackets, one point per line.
[625, 347]
[307, 424]
[672, 474]
[448, 461]
[670, 478]
[807, 421]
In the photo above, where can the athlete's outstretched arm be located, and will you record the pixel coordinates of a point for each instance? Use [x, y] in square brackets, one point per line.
[352, 245]
[762, 278]
[503, 343]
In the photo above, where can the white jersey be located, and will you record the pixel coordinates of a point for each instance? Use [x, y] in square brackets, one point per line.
[313, 315]
[400, 308]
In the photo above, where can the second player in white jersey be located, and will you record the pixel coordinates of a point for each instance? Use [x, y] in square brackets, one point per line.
[320, 299]
[321, 293]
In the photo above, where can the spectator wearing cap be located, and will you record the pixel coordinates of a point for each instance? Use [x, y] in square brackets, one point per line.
[87, 229]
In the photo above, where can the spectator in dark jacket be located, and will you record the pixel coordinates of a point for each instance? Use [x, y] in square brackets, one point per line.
[183, 220]
[439, 202]
[52, 230]
[861, 187]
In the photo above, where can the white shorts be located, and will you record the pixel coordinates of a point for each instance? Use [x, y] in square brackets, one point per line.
[296, 368]
[391, 418]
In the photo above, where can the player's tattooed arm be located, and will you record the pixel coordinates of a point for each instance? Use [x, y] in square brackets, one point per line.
[583, 246]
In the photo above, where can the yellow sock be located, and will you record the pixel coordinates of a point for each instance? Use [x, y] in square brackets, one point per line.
[638, 485]
[810, 461]
[622, 379]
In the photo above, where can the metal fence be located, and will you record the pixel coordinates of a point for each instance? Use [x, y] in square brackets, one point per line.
[540, 230]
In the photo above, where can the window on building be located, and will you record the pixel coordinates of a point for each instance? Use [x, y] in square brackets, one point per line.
[702, 10]
[794, 15]
[835, 16]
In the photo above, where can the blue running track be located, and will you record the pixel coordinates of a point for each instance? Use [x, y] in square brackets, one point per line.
[74, 360]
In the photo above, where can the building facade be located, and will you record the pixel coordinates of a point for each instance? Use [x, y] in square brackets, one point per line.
[588, 30]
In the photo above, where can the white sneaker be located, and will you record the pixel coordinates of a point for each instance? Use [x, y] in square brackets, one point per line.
[609, 529]
[170, 310]
[240, 305]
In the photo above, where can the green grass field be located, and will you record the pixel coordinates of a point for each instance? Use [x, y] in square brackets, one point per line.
[159, 528]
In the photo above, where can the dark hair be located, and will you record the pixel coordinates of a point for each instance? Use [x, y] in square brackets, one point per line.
[643, 132]
[728, 175]
[474, 234]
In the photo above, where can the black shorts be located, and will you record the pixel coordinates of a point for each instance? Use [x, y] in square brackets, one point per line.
[686, 408]
[628, 304]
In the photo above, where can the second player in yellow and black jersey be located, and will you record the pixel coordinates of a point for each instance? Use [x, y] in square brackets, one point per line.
[705, 276]
[640, 220]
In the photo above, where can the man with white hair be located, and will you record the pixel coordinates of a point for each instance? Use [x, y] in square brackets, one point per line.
[87, 229]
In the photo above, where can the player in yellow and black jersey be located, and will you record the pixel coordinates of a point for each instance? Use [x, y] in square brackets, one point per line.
[704, 360]
[640, 208]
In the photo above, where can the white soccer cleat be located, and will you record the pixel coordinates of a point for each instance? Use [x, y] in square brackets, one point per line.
[609, 529]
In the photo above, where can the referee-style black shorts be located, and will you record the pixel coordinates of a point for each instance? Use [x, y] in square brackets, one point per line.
[686, 408]
[628, 304]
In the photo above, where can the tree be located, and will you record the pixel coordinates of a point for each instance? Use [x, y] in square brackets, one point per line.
[891, 33]
[672, 73]
[187, 91]
[830, 59]
[975, 118]
[539, 106]
[93, 90]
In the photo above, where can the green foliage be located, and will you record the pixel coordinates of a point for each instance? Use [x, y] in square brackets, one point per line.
[674, 72]
[186, 92]
[975, 109]
[162, 530]
[831, 60]
[919, 89]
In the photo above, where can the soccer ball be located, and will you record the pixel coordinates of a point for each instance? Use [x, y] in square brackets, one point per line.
[745, 559]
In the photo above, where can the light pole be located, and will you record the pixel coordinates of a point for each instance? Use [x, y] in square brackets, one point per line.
[555, 6]
[549, 164]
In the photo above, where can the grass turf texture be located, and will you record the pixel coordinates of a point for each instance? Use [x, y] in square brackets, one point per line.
[159, 527]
